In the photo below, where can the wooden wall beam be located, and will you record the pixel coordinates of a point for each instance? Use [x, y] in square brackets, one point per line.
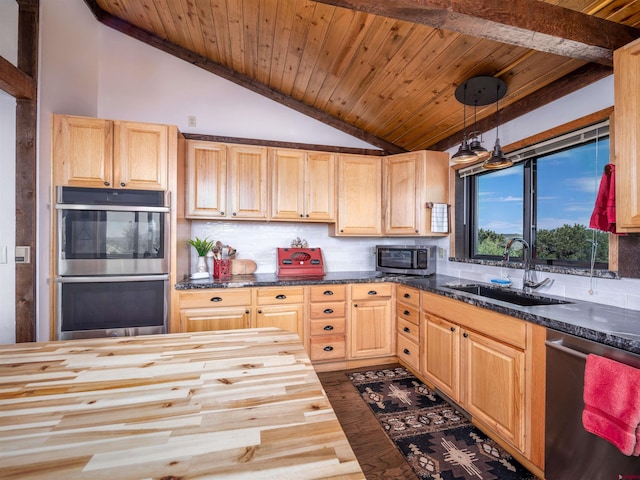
[15, 82]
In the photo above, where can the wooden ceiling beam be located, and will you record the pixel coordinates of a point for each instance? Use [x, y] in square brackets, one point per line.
[577, 79]
[525, 23]
[238, 78]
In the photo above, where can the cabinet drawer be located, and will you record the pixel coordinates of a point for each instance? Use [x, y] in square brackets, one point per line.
[328, 293]
[369, 291]
[407, 312]
[227, 297]
[277, 295]
[409, 330]
[409, 352]
[408, 295]
[328, 347]
[327, 310]
[329, 326]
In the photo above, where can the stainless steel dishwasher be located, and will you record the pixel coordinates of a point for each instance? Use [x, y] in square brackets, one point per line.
[570, 451]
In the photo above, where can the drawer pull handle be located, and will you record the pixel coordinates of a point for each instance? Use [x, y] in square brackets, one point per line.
[281, 297]
[406, 351]
[328, 311]
[406, 295]
[372, 292]
[407, 312]
[328, 348]
[216, 299]
[453, 329]
[328, 327]
[407, 329]
[327, 292]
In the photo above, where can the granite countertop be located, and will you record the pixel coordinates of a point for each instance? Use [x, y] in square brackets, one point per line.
[614, 326]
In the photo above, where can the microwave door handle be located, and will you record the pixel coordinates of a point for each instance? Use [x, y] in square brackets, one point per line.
[111, 279]
[111, 208]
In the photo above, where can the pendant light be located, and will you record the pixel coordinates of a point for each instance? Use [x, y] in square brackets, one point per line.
[498, 159]
[476, 144]
[464, 153]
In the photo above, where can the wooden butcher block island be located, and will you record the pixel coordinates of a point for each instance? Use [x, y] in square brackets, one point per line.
[234, 404]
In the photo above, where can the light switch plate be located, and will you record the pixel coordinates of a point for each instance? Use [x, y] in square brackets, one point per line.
[23, 254]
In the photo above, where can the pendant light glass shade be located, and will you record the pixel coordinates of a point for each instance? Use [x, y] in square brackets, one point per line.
[498, 159]
[464, 153]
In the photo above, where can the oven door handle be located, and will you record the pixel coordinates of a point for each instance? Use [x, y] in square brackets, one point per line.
[111, 208]
[111, 279]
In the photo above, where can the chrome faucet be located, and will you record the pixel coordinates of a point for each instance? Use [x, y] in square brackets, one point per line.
[528, 283]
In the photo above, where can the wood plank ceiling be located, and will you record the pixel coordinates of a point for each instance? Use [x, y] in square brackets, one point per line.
[386, 71]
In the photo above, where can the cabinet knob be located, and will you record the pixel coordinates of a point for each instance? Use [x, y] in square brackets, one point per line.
[355, 305]
[301, 215]
[465, 335]
[122, 184]
[328, 311]
[406, 312]
[453, 329]
[406, 295]
[307, 215]
[106, 184]
[372, 292]
[406, 351]
[416, 231]
[407, 329]
[327, 292]
[341, 231]
[234, 214]
[222, 214]
[281, 297]
[216, 299]
[259, 311]
[328, 348]
[247, 312]
[328, 328]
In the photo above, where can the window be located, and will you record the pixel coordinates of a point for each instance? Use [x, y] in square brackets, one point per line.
[546, 198]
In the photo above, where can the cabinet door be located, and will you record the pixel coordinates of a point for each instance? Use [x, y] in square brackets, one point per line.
[247, 182]
[494, 385]
[140, 155]
[371, 329]
[436, 187]
[287, 184]
[441, 354]
[82, 150]
[403, 184]
[287, 317]
[626, 67]
[206, 179]
[359, 195]
[206, 319]
[320, 187]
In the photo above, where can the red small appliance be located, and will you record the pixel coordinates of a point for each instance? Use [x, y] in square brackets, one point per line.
[301, 262]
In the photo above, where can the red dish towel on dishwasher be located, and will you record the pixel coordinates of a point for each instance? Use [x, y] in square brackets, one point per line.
[612, 403]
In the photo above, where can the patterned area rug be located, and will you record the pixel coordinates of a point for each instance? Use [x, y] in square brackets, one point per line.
[438, 442]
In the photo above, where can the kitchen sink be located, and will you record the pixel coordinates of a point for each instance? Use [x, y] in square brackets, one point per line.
[504, 295]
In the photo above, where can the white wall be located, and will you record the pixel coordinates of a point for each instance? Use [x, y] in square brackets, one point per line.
[89, 69]
[9, 51]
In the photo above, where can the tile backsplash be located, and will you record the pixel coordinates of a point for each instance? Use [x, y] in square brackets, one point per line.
[258, 241]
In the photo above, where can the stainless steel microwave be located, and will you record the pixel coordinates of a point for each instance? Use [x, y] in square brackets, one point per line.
[406, 259]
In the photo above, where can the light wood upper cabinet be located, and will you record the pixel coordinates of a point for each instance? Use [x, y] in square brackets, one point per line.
[302, 185]
[82, 150]
[410, 180]
[626, 145]
[93, 152]
[247, 182]
[206, 190]
[359, 196]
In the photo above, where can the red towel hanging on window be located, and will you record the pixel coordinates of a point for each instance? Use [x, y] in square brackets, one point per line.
[604, 213]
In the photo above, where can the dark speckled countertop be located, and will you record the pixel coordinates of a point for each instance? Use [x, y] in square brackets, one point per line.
[617, 327]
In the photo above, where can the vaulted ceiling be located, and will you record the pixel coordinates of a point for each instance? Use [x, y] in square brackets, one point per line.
[385, 71]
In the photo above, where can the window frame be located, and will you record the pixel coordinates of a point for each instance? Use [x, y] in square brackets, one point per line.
[462, 242]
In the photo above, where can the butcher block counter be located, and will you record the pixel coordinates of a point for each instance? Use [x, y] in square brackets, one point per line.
[232, 404]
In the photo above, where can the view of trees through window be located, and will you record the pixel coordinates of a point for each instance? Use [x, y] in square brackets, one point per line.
[560, 204]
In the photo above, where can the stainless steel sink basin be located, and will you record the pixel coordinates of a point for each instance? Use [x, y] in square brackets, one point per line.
[506, 295]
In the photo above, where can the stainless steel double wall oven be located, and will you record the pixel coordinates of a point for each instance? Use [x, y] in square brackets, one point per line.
[112, 262]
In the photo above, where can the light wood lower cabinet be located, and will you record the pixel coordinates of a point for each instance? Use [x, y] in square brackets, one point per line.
[408, 326]
[215, 309]
[493, 366]
[371, 325]
[327, 322]
[281, 308]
